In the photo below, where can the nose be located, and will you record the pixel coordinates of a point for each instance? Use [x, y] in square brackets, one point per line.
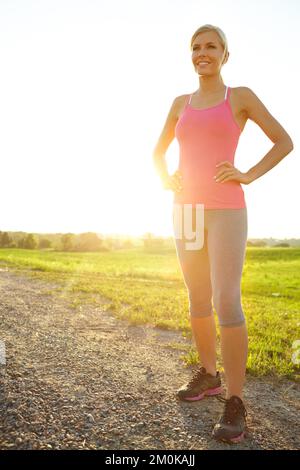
[200, 55]
[200, 58]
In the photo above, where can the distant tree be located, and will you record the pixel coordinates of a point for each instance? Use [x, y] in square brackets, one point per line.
[5, 240]
[153, 242]
[256, 243]
[283, 245]
[21, 242]
[67, 240]
[89, 241]
[159, 242]
[45, 243]
[109, 243]
[127, 243]
[260, 243]
[116, 244]
[147, 238]
[30, 242]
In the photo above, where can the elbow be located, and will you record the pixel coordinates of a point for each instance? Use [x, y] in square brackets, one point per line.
[157, 153]
[287, 143]
[155, 157]
[290, 144]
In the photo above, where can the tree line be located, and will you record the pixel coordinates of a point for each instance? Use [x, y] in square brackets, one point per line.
[91, 241]
[88, 241]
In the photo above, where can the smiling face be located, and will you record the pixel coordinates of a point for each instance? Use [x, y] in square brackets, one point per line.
[207, 47]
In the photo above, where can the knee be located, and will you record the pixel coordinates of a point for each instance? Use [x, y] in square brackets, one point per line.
[229, 324]
[199, 305]
[226, 301]
[201, 313]
[229, 309]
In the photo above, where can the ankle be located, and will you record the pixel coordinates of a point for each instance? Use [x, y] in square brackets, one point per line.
[212, 372]
[229, 395]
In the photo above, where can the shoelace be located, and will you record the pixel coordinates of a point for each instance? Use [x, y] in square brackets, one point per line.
[196, 376]
[232, 408]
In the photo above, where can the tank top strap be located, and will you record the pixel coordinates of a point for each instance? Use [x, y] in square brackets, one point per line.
[227, 93]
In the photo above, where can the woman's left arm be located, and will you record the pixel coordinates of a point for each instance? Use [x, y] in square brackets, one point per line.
[283, 144]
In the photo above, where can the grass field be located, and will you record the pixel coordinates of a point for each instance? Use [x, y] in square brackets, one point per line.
[147, 287]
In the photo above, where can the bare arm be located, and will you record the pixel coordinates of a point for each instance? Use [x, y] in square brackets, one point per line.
[283, 143]
[165, 139]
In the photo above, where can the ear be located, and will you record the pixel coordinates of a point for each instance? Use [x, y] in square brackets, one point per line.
[226, 58]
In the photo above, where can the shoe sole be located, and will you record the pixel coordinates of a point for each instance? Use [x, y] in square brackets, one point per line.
[210, 392]
[232, 440]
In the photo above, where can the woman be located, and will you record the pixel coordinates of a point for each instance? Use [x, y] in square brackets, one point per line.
[208, 124]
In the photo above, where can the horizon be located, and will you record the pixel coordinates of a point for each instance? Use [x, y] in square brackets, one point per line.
[127, 235]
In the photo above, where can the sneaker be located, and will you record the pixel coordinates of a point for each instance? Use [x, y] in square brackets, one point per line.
[231, 425]
[200, 385]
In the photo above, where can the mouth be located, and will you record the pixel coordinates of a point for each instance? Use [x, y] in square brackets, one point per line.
[203, 63]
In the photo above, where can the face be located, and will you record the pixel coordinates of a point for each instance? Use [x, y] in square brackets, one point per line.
[207, 47]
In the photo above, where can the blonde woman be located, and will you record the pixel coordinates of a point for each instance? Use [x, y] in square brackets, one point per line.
[208, 124]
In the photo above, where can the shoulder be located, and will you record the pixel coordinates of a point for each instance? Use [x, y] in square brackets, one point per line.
[259, 113]
[246, 98]
[179, 103]
[242, 91]
[180, 100]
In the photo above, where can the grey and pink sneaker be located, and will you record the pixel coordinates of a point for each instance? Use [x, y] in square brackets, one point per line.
[201, 384]
[231, 425]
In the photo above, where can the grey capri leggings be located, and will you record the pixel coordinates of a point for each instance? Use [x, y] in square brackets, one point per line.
[214, 271]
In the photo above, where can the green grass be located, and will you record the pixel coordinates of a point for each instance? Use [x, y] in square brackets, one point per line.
[146, 287]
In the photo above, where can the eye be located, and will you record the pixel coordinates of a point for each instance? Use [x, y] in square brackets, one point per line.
[196, 47]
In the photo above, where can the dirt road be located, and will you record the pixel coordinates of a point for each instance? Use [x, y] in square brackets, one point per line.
[80, 379]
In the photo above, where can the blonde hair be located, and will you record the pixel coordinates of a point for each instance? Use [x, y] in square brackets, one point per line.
[210, 27]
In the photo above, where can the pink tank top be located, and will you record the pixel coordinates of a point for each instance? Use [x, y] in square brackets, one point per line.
[206, 137]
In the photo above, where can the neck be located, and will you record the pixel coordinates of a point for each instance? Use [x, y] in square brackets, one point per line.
[210, 84]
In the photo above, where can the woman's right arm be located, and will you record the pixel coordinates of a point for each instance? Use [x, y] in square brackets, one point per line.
[167, 135]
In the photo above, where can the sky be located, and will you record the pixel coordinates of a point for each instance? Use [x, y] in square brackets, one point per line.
[85, 89]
